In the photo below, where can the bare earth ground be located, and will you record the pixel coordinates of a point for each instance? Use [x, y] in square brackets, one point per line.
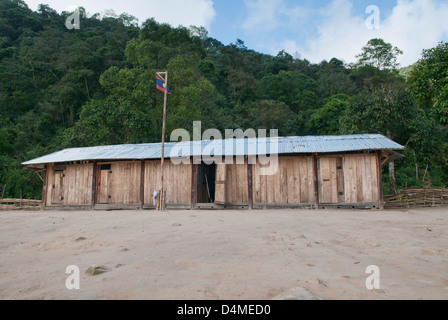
[229, 255]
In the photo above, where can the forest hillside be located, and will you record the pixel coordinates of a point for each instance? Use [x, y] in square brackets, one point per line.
[62, 88]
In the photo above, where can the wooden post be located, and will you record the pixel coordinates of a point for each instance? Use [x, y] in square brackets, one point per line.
[316, 180]
[44, 189]
[163, 140]
[340, 179]
[380, 181]
[194, 182]
[94, 185]
[250, 185]
[142, 184]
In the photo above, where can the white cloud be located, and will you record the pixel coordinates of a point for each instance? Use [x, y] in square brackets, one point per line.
[268, 15]
[262, 15]
[416, 25]
[292, 48]
[412, 26]
[340, 34]
[174, 12]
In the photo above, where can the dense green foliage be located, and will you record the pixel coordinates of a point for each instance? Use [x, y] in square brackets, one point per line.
[63, 88]
[379, 54]
[429, 81]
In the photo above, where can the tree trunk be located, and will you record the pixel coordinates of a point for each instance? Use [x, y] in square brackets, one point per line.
[87, 88]
[393, 183]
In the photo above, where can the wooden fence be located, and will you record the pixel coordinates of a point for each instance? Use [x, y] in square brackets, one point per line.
[418, 198]
[405, 198]
[20, 204]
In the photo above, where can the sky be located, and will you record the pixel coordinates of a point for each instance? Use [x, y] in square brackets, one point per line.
[307, 29]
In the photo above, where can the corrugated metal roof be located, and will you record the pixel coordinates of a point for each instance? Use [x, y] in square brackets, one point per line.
[261, 146]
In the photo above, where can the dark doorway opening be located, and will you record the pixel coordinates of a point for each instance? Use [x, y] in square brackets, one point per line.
[206, 183]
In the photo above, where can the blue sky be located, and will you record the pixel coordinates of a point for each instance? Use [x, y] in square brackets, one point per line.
[232, 15]
[314, 30]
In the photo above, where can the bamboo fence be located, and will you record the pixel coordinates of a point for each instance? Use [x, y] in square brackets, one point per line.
[418, 198]
[20, 204]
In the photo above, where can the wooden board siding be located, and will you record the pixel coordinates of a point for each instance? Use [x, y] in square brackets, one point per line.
[328, 188]
[237, 187]
[119, 184]
[49, 187]
[78, 185]
[177, 182]
[361, 178]
[380, 182]
[220, 184]
[104, 185]
[152, 180]
[126, 183]
[292, 184]
[341, 179]
[250, 186]
[194, 183]
[69, 187]
[331, 180]
[57, 189]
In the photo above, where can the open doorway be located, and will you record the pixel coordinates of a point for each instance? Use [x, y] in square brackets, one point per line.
[206, 183]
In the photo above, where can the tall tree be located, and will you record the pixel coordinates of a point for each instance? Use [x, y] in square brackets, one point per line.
[326, 120]
[379, 54]
[429, 81]
[271, 114]
[391, 110]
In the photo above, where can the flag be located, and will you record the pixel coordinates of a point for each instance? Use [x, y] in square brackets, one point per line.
[161, 84]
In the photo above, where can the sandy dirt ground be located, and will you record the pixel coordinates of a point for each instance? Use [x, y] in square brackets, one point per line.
[230, 255]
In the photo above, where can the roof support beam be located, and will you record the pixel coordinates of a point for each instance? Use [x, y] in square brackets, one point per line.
[37, 173]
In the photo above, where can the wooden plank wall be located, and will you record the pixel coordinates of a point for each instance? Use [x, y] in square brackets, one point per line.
[293, 183]
[220, 184]
[76, 185]
[50, 182]
[328, 182]
[237, 188]
[57, 194]
[177, 182]
[104, 189]
[361, 178]
[125, 183]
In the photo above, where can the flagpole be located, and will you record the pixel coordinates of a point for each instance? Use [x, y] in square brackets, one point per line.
[162, 195]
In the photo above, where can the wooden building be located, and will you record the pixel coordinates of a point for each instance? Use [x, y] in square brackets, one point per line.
[313, 172]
